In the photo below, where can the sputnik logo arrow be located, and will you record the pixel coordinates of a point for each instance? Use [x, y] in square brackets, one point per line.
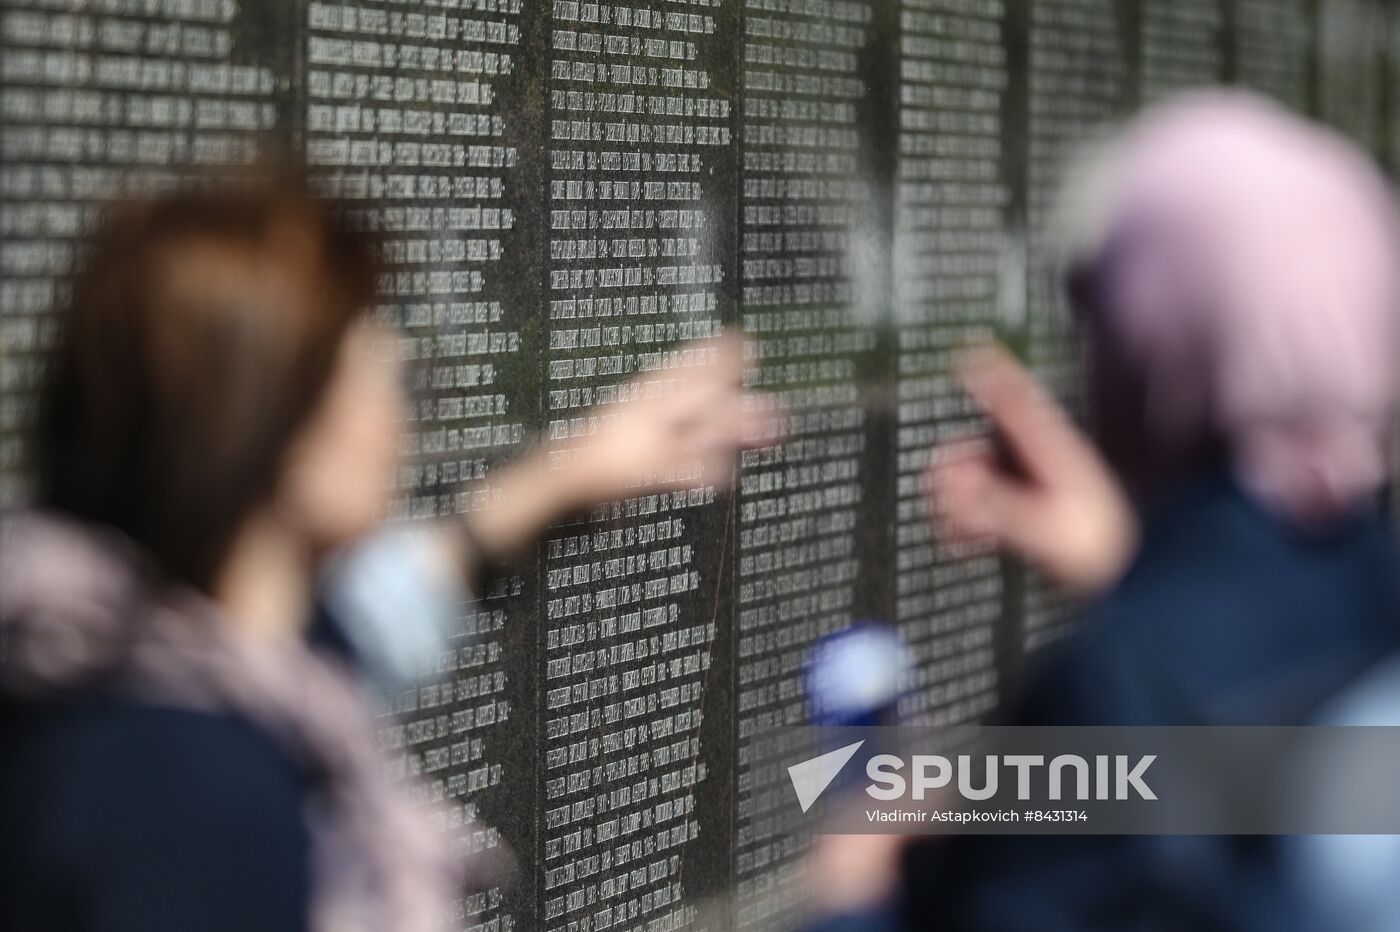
[811, 777]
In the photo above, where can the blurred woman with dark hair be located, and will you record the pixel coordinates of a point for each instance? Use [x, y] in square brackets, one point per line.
[218, 437]
[1233, 270]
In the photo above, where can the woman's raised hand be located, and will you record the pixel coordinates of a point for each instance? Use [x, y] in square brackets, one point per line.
[678, 426]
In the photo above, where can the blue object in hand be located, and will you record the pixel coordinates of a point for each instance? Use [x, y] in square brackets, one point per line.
[856, 676]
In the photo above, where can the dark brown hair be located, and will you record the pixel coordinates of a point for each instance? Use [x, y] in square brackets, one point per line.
[200, 334]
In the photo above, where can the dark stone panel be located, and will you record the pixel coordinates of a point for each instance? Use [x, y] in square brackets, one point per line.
[1181, 45]
[818, 122]
[1083, 76]
[1273, 48]
[958, 274]
[1351, 52]
[640, 175]
[416, 119]
[104, 100]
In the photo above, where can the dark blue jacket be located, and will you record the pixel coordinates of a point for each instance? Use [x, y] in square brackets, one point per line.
[118, 815]
[1228, 616]
[125, 817]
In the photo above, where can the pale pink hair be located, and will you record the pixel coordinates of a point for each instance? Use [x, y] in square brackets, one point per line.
[1243, 274]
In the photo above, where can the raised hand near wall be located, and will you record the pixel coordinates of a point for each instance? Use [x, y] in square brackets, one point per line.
[1037, 487]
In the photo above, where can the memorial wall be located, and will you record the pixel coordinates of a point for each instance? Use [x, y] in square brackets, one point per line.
[568, 192]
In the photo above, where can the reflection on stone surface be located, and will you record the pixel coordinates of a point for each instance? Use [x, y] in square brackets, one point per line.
[634, 123]
[803, 192]
[951, 228]
[94, 107]
[406, 123]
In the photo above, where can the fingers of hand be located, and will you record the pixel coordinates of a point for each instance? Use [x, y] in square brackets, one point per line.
[973, 503]
[1039, 433]
[683, 424]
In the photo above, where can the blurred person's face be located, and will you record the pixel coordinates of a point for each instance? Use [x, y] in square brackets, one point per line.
[339, 474]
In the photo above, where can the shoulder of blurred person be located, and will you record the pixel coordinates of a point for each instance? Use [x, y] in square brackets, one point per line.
[122, 807]
[117, 814]
[153, 775]
[1228, 615]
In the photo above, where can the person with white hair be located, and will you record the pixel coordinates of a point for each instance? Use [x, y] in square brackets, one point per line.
[1234, 284]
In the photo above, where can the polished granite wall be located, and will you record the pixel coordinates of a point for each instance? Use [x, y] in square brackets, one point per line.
[570, 189]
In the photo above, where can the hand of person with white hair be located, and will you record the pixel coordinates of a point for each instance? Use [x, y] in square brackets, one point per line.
[1047, 497]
